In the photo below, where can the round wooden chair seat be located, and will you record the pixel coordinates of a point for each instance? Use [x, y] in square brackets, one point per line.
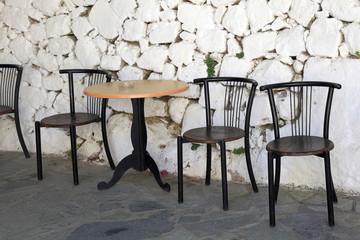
[299, 145]
[213, 134]
[5, 109]
[67, 119]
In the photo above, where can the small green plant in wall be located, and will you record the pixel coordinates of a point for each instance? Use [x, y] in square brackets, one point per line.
[239, 151]
[240, 55]
[210, 63]
[194, 146]
[357, 53]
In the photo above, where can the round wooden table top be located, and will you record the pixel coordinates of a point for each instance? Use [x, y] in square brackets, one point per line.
[136, 89]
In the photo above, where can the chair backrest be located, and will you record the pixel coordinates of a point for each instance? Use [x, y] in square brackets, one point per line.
[10, 77]
[296, 103]
[89, 77]
[235, 104]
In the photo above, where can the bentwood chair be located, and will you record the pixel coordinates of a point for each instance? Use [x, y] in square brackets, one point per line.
[307, 110]
[238, 98]
[96, 108]
[10, 78]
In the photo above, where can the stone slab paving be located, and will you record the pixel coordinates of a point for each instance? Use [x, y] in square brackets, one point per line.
[136, 208]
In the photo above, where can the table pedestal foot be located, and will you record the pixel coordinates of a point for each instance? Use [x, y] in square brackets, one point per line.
[155, 171]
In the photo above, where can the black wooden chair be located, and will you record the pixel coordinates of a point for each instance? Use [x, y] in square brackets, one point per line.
[96, 108]
[306, 101]
[238, 93]
[10, 78]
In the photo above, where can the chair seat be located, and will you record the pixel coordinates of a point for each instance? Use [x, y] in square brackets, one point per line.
[67, 119]
[213, 134]
[5, 109]
[299, 145]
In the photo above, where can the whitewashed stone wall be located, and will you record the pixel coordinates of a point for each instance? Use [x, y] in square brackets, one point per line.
[282, 40]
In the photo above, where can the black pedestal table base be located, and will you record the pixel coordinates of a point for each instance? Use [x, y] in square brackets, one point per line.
[139, 159]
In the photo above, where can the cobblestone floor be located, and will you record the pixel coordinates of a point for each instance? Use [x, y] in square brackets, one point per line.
[136, 208]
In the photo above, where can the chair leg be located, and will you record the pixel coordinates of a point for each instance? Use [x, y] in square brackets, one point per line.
[208, 164]
[249, 166]
[333, 190]
[106, 143]
[329, 187]
[180, 169]
[277, 176]
[19, 133]
[223, 176]
[271, 189]
[38, 150]
[73, 154]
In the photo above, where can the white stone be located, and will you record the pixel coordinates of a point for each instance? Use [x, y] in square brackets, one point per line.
[22, 4]
[81, 27]
[89, 149]
[34, 13]
[172, 3]
[15, 18]
[233, 47]
[121, 105]
[47, 61]
[196, 17]
[177, 108]
[4, 40]
[290, 42]
[123, 8]
[186, 36]
[104, 19]
[87, 52]
[298, 66]
[71, 62]
[168, 72]
[164, 32]
[101, 43]
[134, 30]
[154, 76]
[322, 14]
[278, 24]
[111, 63]
[346, 10]
[258, 44]
[220, 3]
[217, 93]
[181, 53]
[53, 82]
[344, 50]
[352, 37]
[47, 7]
[58, 26]
[119, 127]
[235, 20]
[128, 53]
[37, 33]
[282, 6]
[8, 58]
[148, 10]
[22, 49]
[211, 40]
[130, 73]
[259, 14]
[61, 46]
[28, 94]
[260, 112]
[272, 71]
[303, 11]
[155, 107]
[198, 2]
[234, 67]
[193, 92]
[196, 69]
[153, 59]
[32, 76]
[84, 2]
[168, 15]
[320, 43]
[193, 111]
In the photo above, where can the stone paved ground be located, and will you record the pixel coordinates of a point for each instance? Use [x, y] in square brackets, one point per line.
[136, 208]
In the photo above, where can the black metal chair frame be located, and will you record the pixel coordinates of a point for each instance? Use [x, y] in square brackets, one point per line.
[96, 110]
[221, 134]
[10, 80]
[301, 142]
